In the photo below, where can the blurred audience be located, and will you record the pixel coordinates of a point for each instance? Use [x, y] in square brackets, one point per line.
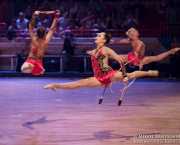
[162, 6]
[81, 15]
[22, 21]
[13, 30]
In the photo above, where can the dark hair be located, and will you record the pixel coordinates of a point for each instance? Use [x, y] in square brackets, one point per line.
[41, 32]
[107, 37]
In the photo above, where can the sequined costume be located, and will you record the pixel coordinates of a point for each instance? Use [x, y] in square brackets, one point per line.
[35, 58]
[134, 59]
[101, 72]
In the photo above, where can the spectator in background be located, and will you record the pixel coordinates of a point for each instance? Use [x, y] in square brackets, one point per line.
[98, 7]
[99, 24]
[35, 6]
[22, 21]
[89, 19]
[115, 24]
[140, 7]
[137, 15]
[103, 17]
[46, 6]
[57, 30]
[83, 29]
[162, 6]
[12, 30]
[78, 19]
[40, 19]
[130, 22]
[83, 8]
[68, 48]
[119, 20]
[84, 26]
[106, 10]
[28, 13]
[74, 8]
[123, 13]
[60, 7]
[72, 26]
[126, 6]
[64, 20]
[172, 13]
[108, 23]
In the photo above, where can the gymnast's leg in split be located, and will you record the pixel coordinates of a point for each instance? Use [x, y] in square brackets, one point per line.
[92, 82]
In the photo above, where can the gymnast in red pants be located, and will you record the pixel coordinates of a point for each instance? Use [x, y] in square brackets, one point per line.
[33, 63]
[136, 57]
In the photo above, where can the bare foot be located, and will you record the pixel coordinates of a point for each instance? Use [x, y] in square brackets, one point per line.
[153, 73]
[50, 86]
[174, 50]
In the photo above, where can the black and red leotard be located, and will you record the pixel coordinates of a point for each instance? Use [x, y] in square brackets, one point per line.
[36, 58]
[101, 72]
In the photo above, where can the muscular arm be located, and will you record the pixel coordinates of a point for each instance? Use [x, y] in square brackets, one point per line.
[138, 48]
[121, 41]
[137, 52]
[113, 55]
[51, 31]
[31, 26]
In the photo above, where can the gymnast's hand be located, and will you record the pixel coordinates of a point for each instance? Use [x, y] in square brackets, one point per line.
[36, 12]
[125, 80]
[112, 40]
[89, 52]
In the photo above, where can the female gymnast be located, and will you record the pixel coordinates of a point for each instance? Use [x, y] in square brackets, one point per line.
[103, 73]
[33, 63]
[137, 57]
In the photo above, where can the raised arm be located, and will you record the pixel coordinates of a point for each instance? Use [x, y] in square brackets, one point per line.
[31, 26]
[121, 41]
[51, 31]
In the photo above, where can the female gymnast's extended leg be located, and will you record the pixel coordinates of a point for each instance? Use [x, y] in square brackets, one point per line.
[136, 74]
[149, 59]
[91, 82]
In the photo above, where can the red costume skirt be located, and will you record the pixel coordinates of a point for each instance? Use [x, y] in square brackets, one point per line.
[134, 59]
[105, 78]
[38, 67]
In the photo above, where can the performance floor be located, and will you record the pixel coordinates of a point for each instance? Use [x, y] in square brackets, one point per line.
[30, 115]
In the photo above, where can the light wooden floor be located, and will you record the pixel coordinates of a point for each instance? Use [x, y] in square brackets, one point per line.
[30, 115]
